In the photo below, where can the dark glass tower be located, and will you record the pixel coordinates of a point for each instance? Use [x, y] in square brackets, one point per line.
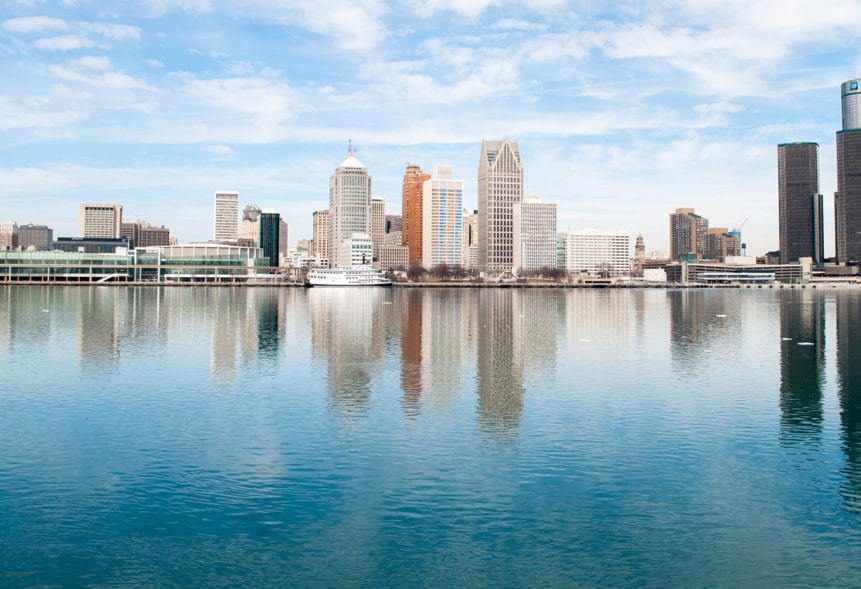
[269, 233]
[799, 202]
[847, 199]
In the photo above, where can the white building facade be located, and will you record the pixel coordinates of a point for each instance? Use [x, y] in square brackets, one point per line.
[598, 253]
[349, 207]
[500, 186]
[442, 219]
[356, 250]
[226, 225]
[534, 234]
[101, 220]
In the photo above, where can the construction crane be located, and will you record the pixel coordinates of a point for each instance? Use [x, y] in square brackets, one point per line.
[737, 232]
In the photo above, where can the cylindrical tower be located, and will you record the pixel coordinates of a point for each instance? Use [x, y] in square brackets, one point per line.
[850, 95]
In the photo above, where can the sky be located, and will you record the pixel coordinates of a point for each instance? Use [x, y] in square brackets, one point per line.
[623, 111]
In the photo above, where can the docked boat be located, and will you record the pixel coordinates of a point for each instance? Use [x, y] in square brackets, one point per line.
[355, 276]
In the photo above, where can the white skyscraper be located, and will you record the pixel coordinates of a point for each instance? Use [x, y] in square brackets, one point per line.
[442, 219]
[226, 216]
[500, 185]
[349, 205]
[534, 234]
[101, 220]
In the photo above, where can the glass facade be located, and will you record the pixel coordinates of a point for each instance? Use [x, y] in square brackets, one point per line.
[799, 202]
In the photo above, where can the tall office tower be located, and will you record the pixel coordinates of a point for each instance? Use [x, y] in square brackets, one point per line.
[269, 234]
[349, 205]
[500, 185]
[250, 224]
[283, 238]
[469, 249]
[718, 243]
[442, 218]
[226, 216]
[847, 199]
[39, 237]
[534, 234]
[101, 220]
[686, 233]
[8, 236]
[799, 202]
[320, 237]
[378, 225]
[412, 211]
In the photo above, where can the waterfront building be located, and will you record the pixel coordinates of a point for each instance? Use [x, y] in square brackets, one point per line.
[284, 239]
[686, 233]
[320, 236]
[378, 226]
[91, 245]
[598, 253]
[37, 237]
[639, 255]
[847, 199]
[412, 211]
[356, 250]
[534, 234]
[142, 234]
[469, 249]
[8, 236]
[442, 206]
[101, 220]
[269, 234]
[226, 216]
[718, 243]
[250, 225]
[801, 231]
[349, 207]
[394, 257]
[500, 186]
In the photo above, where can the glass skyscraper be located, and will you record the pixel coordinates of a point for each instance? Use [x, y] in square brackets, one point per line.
[799, 202]
[847, 199]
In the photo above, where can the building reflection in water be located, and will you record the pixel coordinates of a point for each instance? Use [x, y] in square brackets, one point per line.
[701, 323]
[500, 362]
[411, 311]
[849, 393]
[348, 332]
[802, 365]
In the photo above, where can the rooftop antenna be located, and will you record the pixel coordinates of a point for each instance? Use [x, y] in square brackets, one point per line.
[350, 149]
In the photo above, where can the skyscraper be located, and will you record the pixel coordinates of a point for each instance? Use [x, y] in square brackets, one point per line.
[687, 230]
[799, 202]
[320, 240]
[442, 219]
[847, 199]
[101, 220]
[349, 205]
[269, 234]
[226, 223]
[378, 226]
[534, 234]
[250, 224]
[500, 185]
[412, 213]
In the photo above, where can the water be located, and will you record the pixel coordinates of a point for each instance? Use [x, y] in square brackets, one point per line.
[185, 437]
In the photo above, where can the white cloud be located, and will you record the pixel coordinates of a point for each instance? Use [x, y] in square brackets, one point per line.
[154, 63]
[64, 43]
[263, 95]
[112, 31]
[34, 24]
[220, 150]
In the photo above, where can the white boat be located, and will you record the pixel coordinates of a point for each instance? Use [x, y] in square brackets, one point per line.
[355, 276]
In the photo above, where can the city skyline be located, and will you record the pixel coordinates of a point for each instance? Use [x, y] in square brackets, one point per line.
[622, 114]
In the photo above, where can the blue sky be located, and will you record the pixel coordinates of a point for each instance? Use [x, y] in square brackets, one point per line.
[623, 111]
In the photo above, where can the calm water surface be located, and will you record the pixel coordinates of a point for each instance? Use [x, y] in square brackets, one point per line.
[186, 437]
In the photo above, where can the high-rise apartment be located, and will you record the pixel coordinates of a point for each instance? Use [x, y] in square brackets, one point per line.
[442, 220]
[500, 185]
[101, 220]
[469, 249]
[534, 234]
[349, 206]
[847, 199]
[226, 216]
[320, 238]
[799, 202]
[687, 230]
[597, 253]
[412, 212]
[269, 234]
[718, 243]
[8, 236]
